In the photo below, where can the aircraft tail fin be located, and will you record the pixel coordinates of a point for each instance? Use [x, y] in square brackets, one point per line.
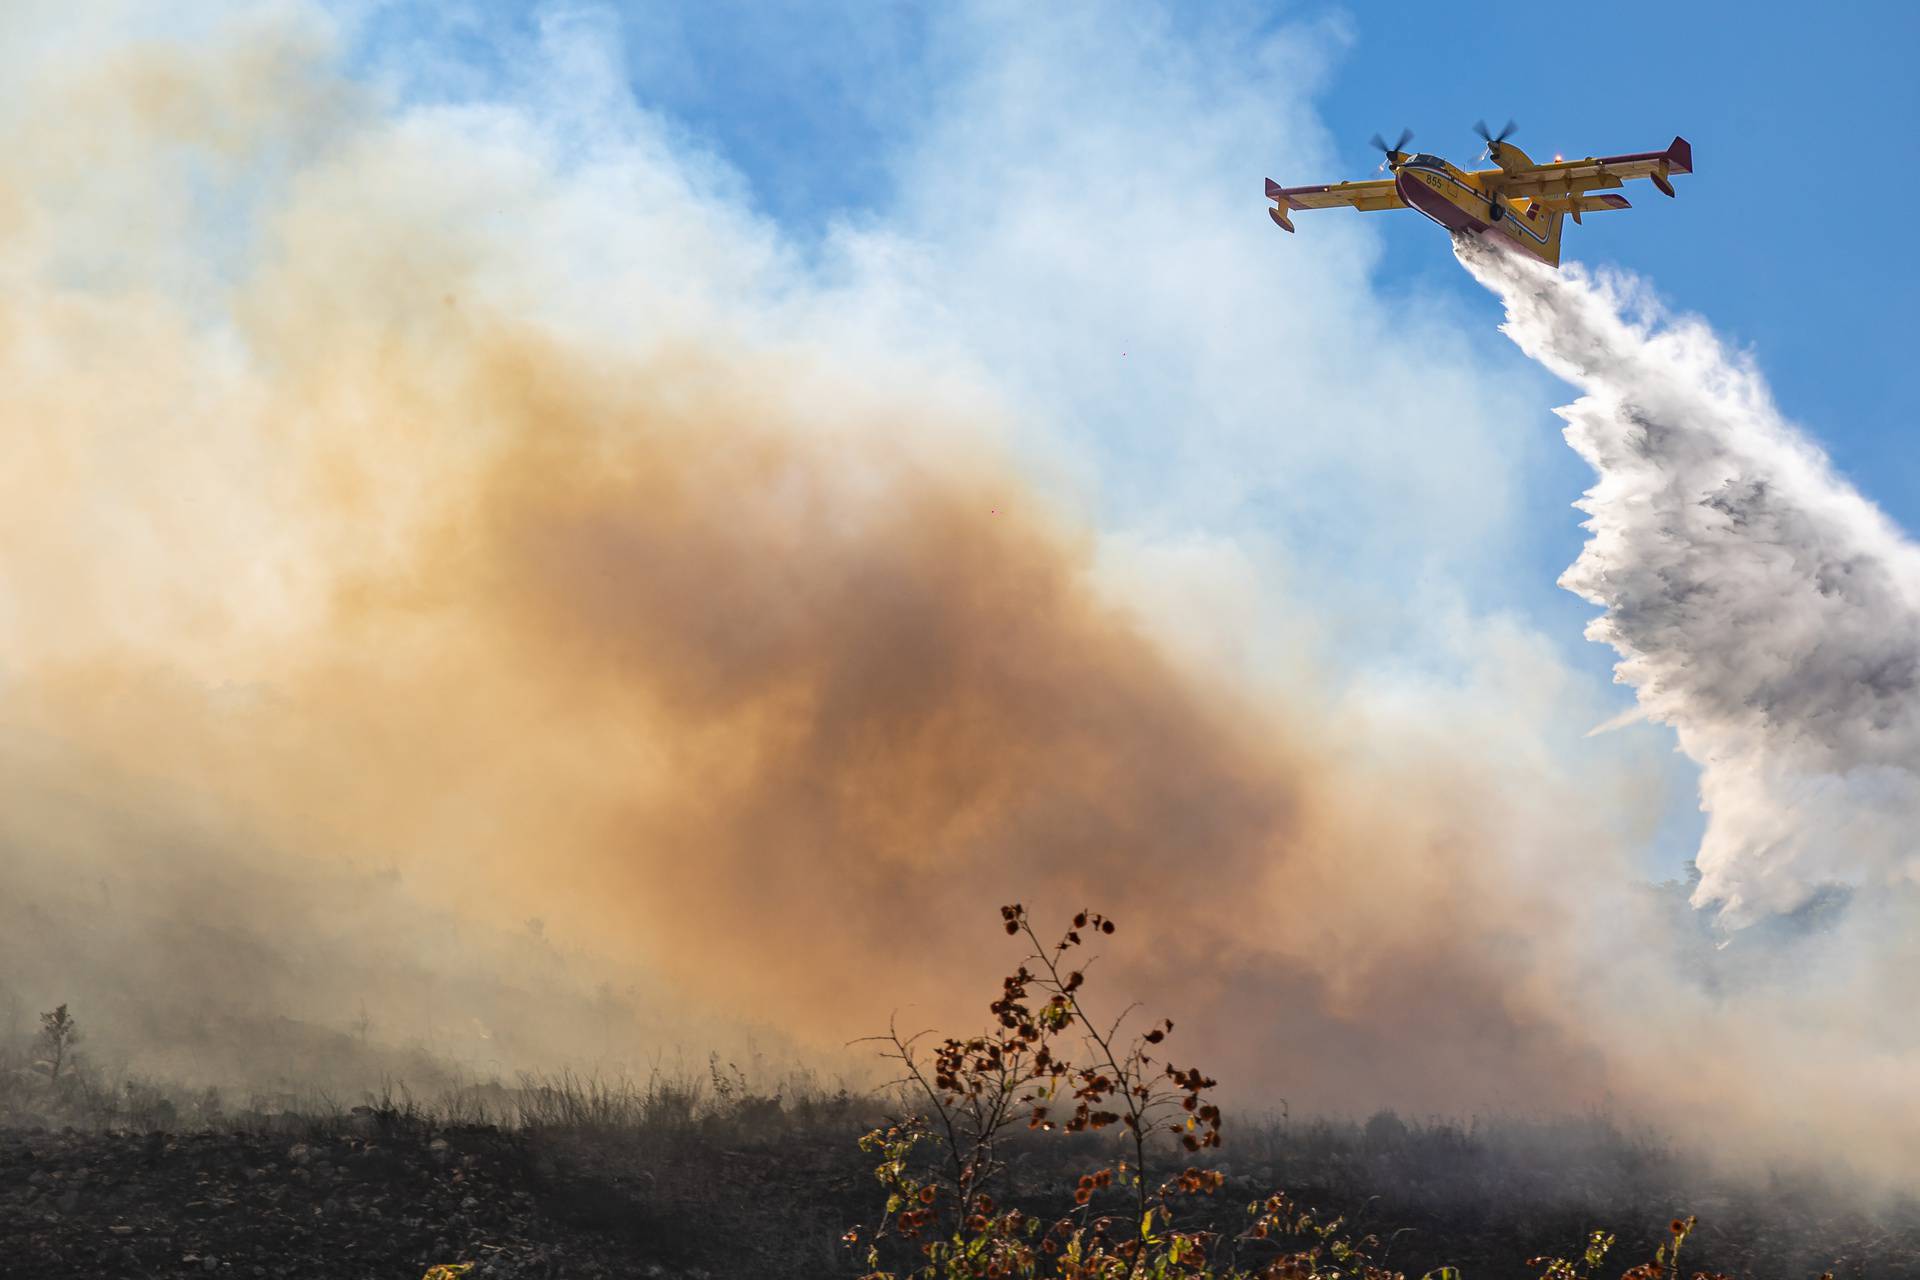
[1278, 194]
[1678, 158]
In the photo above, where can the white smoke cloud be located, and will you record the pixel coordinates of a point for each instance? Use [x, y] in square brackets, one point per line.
[1761, 606]
[1091, 194]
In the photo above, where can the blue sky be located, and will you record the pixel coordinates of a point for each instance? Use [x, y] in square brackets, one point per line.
[832, 117]
[1779, 101]
[1796, 117]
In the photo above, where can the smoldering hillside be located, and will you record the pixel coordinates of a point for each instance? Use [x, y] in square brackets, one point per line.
[491, 503]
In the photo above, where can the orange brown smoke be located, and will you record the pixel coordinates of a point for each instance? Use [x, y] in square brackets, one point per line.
[531, 525]
[728, 653]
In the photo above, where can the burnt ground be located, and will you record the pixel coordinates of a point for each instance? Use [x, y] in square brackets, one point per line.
[391, 1205]
[390, 1200]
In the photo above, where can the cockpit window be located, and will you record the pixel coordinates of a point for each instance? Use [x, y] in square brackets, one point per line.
[1432, 162]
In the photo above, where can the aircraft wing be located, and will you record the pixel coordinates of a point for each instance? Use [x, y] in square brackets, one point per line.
[1567, 178]
[1359, 195]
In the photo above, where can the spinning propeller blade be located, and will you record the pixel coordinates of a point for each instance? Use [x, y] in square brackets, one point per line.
[1380, 143]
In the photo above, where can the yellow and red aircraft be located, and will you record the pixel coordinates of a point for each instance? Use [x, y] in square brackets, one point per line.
[1525, 200]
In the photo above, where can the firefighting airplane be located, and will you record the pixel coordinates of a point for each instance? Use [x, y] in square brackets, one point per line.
[1526, 201]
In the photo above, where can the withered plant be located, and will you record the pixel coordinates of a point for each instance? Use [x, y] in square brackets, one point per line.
[1047, 1063]
[58, 1034]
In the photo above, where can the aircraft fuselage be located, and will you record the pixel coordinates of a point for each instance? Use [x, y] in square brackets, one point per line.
[1456, 200]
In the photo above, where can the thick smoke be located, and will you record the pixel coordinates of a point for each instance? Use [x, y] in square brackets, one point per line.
[1760, 605]
[478, 494]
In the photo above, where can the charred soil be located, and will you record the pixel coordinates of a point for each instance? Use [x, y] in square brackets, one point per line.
[391, 1200]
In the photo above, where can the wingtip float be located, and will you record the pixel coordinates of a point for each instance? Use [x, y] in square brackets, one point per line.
[1525, 200]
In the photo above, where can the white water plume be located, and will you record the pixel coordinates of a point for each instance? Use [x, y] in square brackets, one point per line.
[1760, 605]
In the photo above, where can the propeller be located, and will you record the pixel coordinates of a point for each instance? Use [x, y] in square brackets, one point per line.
[1494, 140]
[1380, 143]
